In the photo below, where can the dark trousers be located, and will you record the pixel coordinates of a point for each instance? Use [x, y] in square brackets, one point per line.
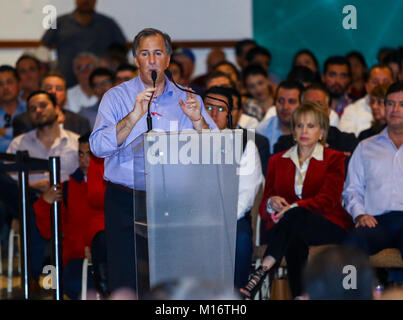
[293, 234]
[388, 233]
[119, 235]
[244, 251]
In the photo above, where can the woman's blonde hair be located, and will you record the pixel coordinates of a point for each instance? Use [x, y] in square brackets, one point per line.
[318, 112]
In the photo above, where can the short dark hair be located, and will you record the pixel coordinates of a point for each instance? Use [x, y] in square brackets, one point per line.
[379, 66]
[253, 70]
[290, 85]
[309, 53]
[324, 275]
[51, 97]
[55, 73]
[302, 74]
[84, 138]
[8, 68]
[148, 32]
[28, 56]
[231, 65]
[321, 87]
[252, 53]
[101, 72]
[126, 67]
[240, 44]
[395, 87]
[358, 56]
[336, 60]
[218, 74]
[222, 91]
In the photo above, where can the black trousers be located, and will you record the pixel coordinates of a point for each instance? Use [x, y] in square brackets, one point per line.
[119, 235]
[293, 234]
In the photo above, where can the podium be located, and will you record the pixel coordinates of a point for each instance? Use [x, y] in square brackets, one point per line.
[185, 223]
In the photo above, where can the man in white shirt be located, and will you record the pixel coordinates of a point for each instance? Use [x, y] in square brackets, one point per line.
[81, 95]
[357, 116]
[47, 140]
[249, 185]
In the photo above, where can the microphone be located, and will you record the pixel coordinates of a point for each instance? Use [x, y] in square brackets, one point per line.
[229, 117]
[149, 119]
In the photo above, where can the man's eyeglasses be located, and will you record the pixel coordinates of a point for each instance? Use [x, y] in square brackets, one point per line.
[392, 103]
[85, 67]
[219, 108]
[101, 83]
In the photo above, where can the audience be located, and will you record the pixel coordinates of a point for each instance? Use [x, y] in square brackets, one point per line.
[46, 112]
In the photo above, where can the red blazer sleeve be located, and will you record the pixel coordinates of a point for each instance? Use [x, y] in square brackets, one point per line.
[96, 183]
[43, 218]
[329, 195]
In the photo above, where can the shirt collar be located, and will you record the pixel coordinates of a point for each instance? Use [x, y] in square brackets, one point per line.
[293, 153]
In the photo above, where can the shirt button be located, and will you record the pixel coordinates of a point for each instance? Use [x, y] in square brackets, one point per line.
[156, 104]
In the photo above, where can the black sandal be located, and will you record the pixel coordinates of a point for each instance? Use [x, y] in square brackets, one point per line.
[255, 283]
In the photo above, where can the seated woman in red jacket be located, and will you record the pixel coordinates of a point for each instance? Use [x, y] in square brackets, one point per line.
[301, 205]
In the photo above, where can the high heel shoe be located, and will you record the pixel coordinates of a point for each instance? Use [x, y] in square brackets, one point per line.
[255, 283]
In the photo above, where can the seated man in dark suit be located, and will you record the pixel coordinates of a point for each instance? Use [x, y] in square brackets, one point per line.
[54, 83]
[336, 139]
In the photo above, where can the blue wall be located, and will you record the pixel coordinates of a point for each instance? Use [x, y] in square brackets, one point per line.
[286, 26]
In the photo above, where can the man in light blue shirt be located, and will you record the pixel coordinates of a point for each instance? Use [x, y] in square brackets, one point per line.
[10, 104]
[121, 121]
[373, 192]
[288, 98]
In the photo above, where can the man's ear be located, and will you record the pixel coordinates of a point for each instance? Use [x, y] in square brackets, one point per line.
[136, 62]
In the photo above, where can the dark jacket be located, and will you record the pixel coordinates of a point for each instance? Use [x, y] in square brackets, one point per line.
[73, 122]
[262, 145]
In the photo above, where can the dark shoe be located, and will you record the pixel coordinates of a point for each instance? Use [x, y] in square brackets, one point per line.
[101, 280]
[255, 283]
